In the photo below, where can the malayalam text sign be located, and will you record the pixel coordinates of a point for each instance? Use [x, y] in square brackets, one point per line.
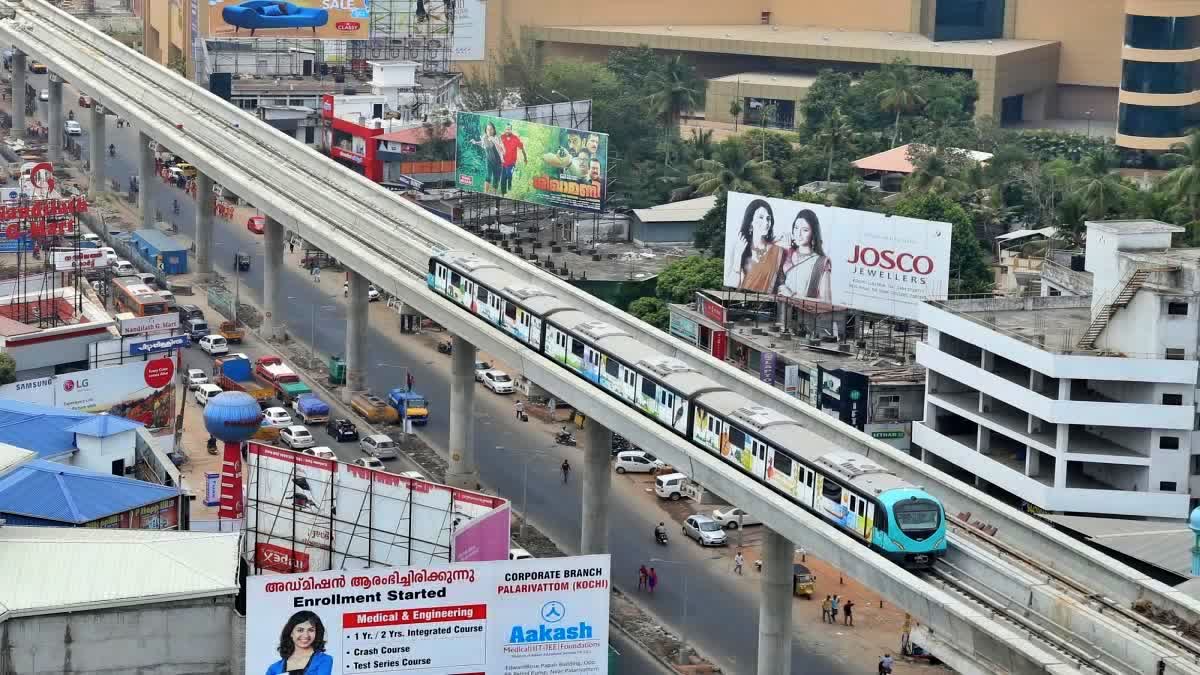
[321, 19]
[520, 617]
[163, 344]
[85, 258]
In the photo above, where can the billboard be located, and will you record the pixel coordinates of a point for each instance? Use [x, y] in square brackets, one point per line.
[138, 390]
[66, 259]
[133, 325]
[856, 259]
[321, 19]
[531, 616]
[381, 518]
[530, 162]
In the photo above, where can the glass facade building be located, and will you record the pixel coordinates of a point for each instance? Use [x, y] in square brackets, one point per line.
[968, 20]
[1158, 75]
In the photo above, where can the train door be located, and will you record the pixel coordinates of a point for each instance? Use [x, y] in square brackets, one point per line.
[591, 364]
[534, 325]
[758, 455]
[629, 385]
[556, 344]
[856, 516]
[807, 491]
[867, 512]
[666, 407]
[441, 277]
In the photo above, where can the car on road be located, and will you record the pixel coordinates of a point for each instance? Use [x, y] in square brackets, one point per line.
[90, 239]
[214, 344]
[44, 95]
[637, 461]
[705, 530]
[519, 554]
[85, 101]
[372, 293]
[728, 518]
[670, 486]
[498, 381]
[37, 67]
[147, 278]
[72, 128]
[277, 417]
[110, 254]
[378, 445]
[195, 378]
[169, 297]
[481, 367]
[342, 429]
[369, 463]
[320, 452]
[297, 436]
[189, 312]
[415, 475]
[124, 268]
[204, 392]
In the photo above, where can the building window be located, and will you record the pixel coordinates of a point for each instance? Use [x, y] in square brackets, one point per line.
[1168, 442]
[1172, 399]
[1176, 354]
[1166, 486]
[310, 135]
[1196, 465]
[1177, 308]
[1162, 32]
[1156, 121]
[1148, 77]
[969, 20]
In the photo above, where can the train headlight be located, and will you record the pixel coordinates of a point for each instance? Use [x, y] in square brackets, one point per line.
[898, 544]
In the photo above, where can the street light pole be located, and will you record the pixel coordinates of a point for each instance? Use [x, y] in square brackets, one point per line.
[683, 631]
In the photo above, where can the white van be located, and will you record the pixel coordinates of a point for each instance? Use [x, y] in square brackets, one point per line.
[670, 486]
[205, 392]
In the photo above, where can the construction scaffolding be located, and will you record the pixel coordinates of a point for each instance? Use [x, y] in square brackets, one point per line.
[421, 31]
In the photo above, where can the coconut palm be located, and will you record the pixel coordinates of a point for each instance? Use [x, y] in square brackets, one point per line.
[730, 169]
[1098, 190]
[902, 95]
[674, 91]
[933, 172]
[1183, 182]
[835, 130]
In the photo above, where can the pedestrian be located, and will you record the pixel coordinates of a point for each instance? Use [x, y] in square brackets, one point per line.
[825, 610]
[643, 577]
[410, 380]
[833, 608]
[291, 246]
[738, 561]
[566, 470]
[520, 409]
[848, 613]
[885, 664]
[651, 580]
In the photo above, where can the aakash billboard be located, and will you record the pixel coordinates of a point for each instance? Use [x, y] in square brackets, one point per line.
[321, 19]
[857, 259]
[528, 616]
[531, 162]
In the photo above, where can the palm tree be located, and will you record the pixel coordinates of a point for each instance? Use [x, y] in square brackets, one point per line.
[1183, 182]
[855, 195]
[702, 143]
[730, 169]
[1097, 189]
[933, 173]
[834, 131]
[902, 95]
[674, 91]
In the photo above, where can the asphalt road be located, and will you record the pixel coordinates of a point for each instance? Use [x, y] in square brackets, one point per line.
[722, 618]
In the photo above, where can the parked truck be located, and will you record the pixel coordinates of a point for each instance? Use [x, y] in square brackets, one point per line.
[310, 409]
[270, 372]
[232, 333]
[232, 373]
[410, 405]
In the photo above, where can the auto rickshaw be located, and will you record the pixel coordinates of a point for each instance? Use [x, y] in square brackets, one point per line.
[187, 169]
[241, 261]
[803, 581]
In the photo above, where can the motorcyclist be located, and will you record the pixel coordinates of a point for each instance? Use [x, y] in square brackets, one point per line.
[212, 443]
[112, 150]
[660, 532]
[70, 114]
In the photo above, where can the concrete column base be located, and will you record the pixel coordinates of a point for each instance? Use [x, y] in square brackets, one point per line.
[597, 481]
[356, 336]
[775, 606]
[462, 471]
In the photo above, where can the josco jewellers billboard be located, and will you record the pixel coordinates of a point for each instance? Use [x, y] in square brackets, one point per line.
[546, 616]
[856, 259]
[322, 19]
[530, 162]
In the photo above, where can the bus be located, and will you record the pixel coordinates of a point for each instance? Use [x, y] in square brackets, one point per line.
[131, 295]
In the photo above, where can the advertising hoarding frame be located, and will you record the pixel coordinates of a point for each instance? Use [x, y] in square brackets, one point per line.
[123, 390]
[315, 21]
[862, 260]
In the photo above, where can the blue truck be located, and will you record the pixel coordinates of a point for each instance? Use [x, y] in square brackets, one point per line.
[310, 409]
[410, 405]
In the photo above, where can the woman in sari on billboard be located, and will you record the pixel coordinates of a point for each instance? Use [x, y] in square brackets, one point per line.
[805, 272]
[761, 259]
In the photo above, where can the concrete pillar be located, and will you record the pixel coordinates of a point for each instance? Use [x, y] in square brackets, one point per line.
[55, 150]
[775, 606]
[147, 180]
[356, 336]
[462, 471]
[597, 478]
[272, 290]
[1033, 462]
[98, 151]
[205, 203]
[18, 93]
[1064, 389]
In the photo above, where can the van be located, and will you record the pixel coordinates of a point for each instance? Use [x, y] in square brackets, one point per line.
[206, 391]
[189, 312]
[670, 486]
[147, 278]
[197, 328]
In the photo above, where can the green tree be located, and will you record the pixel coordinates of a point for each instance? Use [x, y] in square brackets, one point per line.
[675, 88]
[1099, 191]
[731, 168]
[969, 271]
[8, 369]
[651, 310]
[635, 67]
[710, 233]
[1183, 181]
[577, 80]
[436, 141]
[735, 109]
[679, 281]
[902, 95]
[827, 93]
[855, 195]
[834, 132]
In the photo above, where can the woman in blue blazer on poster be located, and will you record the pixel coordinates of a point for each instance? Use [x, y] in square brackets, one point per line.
[302, 647]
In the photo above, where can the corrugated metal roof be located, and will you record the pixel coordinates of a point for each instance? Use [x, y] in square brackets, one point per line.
[12, 456]
[158, 240]
[40, 428]
[70, 494]
[686, 211]
[1018, 234]
[104, 425]
[50, 570]
[1163, 543]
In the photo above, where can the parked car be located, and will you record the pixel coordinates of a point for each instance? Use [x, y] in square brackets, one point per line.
[637, 461]
[342, 429]
[256, 224]
[214, 344]
[498, 381]
[124, 268]
[369, 463]
[147, 278]
[705, 530]
[728, 518]
[670, 486]
[195, 378]
[72, 128]
[44, 95]
[277, 417]
[519, 554]
[320, 452]
[169, 297]
[379, 446]
[415, 475]
[481, 367]
[204, 392]
[372, 293]
[297, 436]
[85, 101]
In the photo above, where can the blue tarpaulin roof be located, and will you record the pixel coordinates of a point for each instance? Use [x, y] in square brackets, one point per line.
[70, 494]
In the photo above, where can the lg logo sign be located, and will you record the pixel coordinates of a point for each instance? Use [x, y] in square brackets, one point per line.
[71, 385]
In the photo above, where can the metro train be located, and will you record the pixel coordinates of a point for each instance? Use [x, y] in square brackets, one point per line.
[879, 509]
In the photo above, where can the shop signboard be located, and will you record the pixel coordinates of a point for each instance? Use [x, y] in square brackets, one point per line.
[845, 257]
[844, 393]
[684, 328]
[162, 344]
[296, 19]
[66, 259]
[720, 342]
[546, 615]
[531, 162]
[212, 488]
[160, 323]
[766, 367]
[163, 515]
[791, 379]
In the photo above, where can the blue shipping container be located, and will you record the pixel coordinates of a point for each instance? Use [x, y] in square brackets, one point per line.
[161, 251]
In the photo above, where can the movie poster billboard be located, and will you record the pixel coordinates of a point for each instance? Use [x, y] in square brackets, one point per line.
[547, 616]
[321, 19]
[530, 162]
[857, 259]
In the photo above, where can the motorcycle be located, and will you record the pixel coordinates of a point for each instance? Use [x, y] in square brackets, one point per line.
[112, 151]
[661, 537]
[212, 445]
[564, 438]
[445, 347]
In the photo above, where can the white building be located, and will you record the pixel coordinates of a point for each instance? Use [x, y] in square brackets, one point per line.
[1076, 404]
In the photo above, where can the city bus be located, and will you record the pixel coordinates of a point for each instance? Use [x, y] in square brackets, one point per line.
[131, 295]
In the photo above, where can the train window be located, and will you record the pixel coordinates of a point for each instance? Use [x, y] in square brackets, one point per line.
[915, 515]
[737, 438]
[808, 478]
[832, 491]
[577, 348]
[455, 279]
[862, 508]
[853, 502]
[510, 310]
[648, 389]
[612, 367]
[783, 463]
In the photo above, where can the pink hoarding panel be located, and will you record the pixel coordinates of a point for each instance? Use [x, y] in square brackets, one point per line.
[485, 538]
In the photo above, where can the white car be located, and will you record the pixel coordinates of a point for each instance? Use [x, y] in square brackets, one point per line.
[169, 297]
[124, 268]
[72, 128]
[372, 293]
[369, 463]
[205, 392]
[297, 436]
[728, 518]
[110, 254]
[378, 445]
[637, 461]
[415, 475]
[320, 451]
[519, 554]
[214, 344]
[195, 378]
[89, 239]
[44, 95]
[481, 367]
[277, 417]
[498, 381]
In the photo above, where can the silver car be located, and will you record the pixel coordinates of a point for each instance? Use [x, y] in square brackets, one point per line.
[378, 446]
[705, 530]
